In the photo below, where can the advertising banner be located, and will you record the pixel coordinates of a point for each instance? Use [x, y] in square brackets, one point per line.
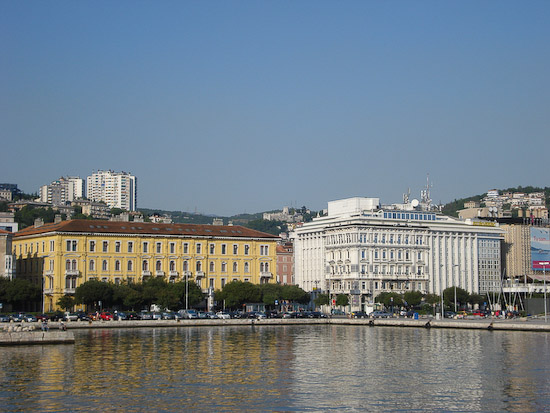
[540, 249]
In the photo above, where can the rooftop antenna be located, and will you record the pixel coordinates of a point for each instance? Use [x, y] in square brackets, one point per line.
[406, 196]
[425, 193]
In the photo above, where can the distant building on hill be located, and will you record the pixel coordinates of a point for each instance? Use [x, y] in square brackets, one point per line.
[116, 189]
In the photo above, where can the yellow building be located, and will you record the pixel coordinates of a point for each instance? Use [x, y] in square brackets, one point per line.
[63, 255]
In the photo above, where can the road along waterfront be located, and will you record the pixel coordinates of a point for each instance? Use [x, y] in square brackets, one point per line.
[293, 367]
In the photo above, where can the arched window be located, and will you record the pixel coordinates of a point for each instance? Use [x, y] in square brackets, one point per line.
[246, 267]
[212, 266]
[158, 265]
[224, 266]
[261, 267]
[117, 265]
[145, 265]
[105, 265]
[235, 267]
[185, 266]
[68, 265]
[130, 265]
[92, 265]
[172, 266]
[73, 265]
[199, 266]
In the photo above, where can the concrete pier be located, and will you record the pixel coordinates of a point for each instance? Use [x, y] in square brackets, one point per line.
[10, 338]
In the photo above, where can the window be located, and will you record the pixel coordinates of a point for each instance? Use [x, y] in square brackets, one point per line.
[91, 265]
[223, 282]
[117, 265]
[185, 266]
[235, 267]
[71, 245]
[117, 246]
[224, 249]
[52, 247]
[212, 248]
[159, 248]
[211, 266]
[130, 246]
[158, 266]
[145, 247]
[105, 265]
[68, 265]
[211, 283]
[185, 248]
[246, 267]
[172, 266]
[92, 246]
[172, 248]
[130, 266]
[224, 266]
[264, 249]
[198, 248]
[235, 249]
[246, 249]
[199, 266]
[145, 265]
[105, 246]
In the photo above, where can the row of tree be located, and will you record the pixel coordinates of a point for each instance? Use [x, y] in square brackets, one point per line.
[17, 293]
[175, 295]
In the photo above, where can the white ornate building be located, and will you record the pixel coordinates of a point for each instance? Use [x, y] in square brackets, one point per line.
[363, 249]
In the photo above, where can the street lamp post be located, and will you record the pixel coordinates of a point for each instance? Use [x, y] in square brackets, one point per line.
[441, 290]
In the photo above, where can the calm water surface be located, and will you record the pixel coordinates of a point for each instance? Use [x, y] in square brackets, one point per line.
[280, 368]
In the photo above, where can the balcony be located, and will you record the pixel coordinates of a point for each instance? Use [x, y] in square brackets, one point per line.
[200, 274]
[146, 273]
[48, 290]
[72, 273]
[265, 274]
[159, 273]
[49, 273]
[174, 274]
[69, 290]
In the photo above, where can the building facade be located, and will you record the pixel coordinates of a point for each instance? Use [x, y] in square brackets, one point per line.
[285, 263]
[63, 191]
[62, 256]
[6, 257]
[362, 249]
[116, 189]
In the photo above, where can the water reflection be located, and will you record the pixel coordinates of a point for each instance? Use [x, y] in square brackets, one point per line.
[280, 368]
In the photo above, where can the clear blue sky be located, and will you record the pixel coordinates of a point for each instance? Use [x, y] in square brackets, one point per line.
[226, 107]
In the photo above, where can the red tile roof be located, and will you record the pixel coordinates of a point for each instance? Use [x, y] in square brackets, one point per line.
[145, 228]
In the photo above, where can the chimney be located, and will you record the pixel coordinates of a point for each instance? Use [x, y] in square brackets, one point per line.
[38, 222]
[57, 219]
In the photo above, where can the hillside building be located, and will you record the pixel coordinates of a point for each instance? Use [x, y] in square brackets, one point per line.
[115, 189]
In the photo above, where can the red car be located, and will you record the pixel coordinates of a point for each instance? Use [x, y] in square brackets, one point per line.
[106, 316]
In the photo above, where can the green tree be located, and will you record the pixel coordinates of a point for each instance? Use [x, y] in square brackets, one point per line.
[461, 296]
[21, 294]
[342, 300]
[390, 299]
[92, 292]
[293, 293]
[474, 299]
[432, 298]
[237, 293]
[413, 298]
[321, 299]
[270, 293]
[66, 302]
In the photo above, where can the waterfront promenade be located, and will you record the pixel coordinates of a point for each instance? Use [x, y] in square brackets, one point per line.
[496, 324]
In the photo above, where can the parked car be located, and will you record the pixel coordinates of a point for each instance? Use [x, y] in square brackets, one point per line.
[358, 314]
[70, 317]
[16, 318]
[5, 318]
[211, 315]
[106, 316]
[157, 316]
[260, 315]
[202, 314]
[121, 315]
[146, 315]
[82, 316]
[223, 315]
[189, 314]
[381, 314]
[134, 316]
[168, 315]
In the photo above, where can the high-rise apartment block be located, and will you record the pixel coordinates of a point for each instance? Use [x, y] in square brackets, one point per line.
[65, 189]
[116, 189]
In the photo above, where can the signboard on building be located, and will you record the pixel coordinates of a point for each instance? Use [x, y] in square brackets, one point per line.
[540, 248]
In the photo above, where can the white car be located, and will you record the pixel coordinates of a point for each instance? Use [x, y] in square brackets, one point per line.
[223, 315]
